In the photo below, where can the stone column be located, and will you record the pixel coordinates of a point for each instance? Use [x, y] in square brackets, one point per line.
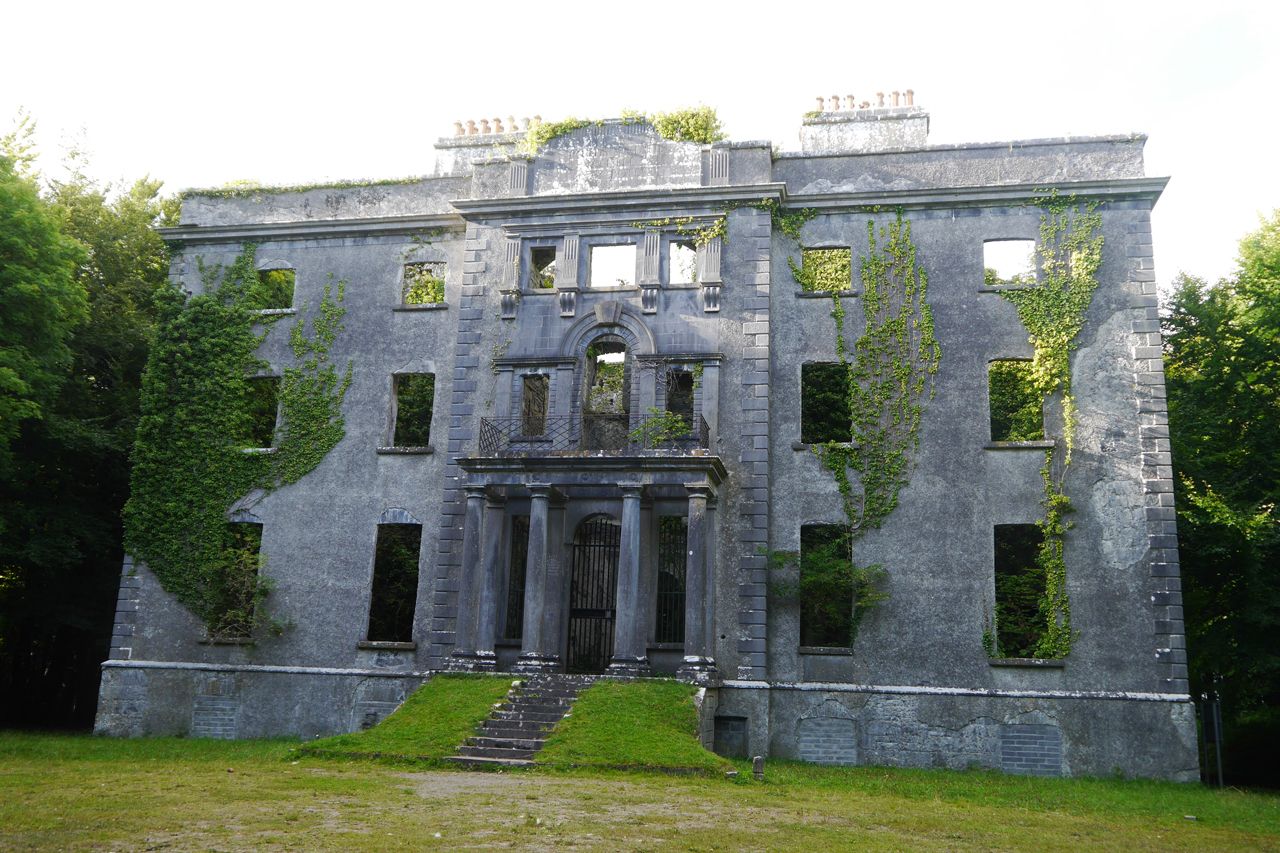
[698, 665]
[464, 646]
[487, 615]
[628, 657]
[534, 654]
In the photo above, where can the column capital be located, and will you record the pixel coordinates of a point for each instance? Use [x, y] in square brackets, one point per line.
[474, 490]
[700, 490]
[633, 490]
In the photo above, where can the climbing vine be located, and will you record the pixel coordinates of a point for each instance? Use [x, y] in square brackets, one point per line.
[193, 457]
[696, 124]
[1053, 312]
[699, 232]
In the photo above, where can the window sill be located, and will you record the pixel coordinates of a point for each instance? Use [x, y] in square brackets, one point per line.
[838, 651]
[666, 647]
[405, 451]
[1029, 663]
[228, 641]
[613, 288]
[275, 312]
[256, 450]
[425, 306]
[823, 294]
[387, 646]
[804, 445]
[1006, 288]
[1042, 444]
[541, 291]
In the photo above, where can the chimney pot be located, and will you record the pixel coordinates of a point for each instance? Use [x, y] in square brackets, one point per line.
[894, 95]
[471, 127]
[850, 102]
[821, 106]
[911, 97]
[835, 102]
[484, 125]
[497, 125]
[879, 99]
[458, 129]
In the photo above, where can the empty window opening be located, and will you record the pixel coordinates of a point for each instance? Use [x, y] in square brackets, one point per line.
[826, 586]
[237, 591]
[262, 396]
[613, 266]
[275, 289]
[395, 583]
[414, 398]
[1017, 408]
[1009, 263]
[824, 403]
[682, 262]
[607, 397]
[826, 270]
[423, 284]
[680, 394]
[1020, 585]
[673, 537]
[515, 577]
[533, 404]
[542, 267]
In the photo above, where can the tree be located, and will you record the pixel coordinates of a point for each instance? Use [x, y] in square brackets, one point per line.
[1222, 363]
[61, 495]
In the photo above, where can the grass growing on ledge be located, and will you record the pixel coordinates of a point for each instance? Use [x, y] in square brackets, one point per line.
[631, 724]
[428, 727]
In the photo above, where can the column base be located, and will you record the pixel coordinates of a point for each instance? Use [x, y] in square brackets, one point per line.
[533, 663]
[699, 670]
[630, 667]
[471, 662]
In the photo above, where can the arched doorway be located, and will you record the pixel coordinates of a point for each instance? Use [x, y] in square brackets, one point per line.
[606, 394]
[593, 594]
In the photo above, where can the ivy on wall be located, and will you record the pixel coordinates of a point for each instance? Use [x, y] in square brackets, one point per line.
[190, 462]
[1053, 312]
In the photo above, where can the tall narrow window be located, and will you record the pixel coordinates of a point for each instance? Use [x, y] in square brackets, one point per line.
[613, 266]
[1020, 584]
[414, 397]
[682, 262]
[826, 586]
[1009, 263]
[516, 575]
[673, 531]
[542, 268]
[262, 398]
[680, 394]
[824, 403]
[533, 404]
[423, 284]
[1017, 408]
[237, 591]
[395, 583]
[275, 289]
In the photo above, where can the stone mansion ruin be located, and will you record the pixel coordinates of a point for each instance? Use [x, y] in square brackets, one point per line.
[599, 420]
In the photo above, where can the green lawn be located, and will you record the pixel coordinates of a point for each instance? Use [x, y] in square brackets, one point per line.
[429, 726]
[79, 792]
[633, 724]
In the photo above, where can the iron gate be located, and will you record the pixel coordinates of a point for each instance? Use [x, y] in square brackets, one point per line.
[592, 594]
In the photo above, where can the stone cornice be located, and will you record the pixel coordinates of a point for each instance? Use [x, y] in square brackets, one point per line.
[380, 226]
[989, 196]
[577, 207]
[585, 469]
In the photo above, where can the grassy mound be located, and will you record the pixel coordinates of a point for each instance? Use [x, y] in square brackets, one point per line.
[429, 726]
[651, 724]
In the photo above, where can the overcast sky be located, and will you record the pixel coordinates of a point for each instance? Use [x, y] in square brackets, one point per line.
[202, 94]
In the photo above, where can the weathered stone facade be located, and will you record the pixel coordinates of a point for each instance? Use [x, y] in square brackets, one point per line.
[917, 688]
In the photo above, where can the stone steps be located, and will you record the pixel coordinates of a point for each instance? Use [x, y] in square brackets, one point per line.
[515, 730]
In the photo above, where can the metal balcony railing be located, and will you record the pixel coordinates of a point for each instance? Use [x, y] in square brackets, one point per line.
[604, 435]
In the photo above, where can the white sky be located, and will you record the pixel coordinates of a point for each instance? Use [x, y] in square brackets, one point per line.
[201, 94]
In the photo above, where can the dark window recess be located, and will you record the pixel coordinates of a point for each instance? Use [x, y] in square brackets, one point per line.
[263, 400]
[673, 532]
[415, 397]
[533, 404]
[680, 394]
[515, 578]
[1017, 408]
[542, 267]
[731, 737]
[824, 403]
[1019, 588]
[395, 583]
[275, 289]
[237, 591]
[826, 586]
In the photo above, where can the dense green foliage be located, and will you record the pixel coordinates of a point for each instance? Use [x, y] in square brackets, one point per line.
[415, 404]
[696, 124]
[61, 495]
[1017, 407]
[430, 725]
[422, 286]
[197, 405]
[637, 724]
[824, 270]
[1222, 367]
[824, 403]
[395, 582]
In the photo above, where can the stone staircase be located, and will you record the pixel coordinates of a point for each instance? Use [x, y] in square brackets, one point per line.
[515, 730]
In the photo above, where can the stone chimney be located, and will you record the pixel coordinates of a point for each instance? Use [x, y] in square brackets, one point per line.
[862, 128]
